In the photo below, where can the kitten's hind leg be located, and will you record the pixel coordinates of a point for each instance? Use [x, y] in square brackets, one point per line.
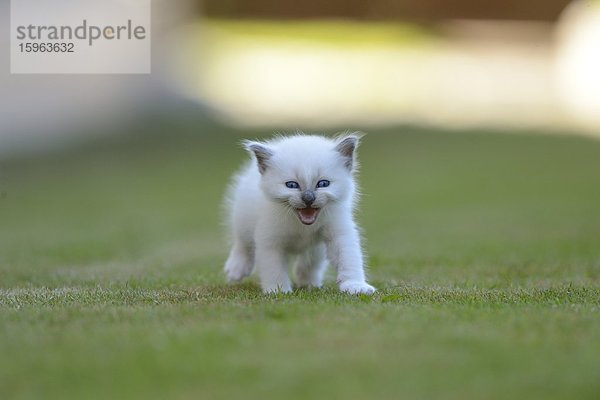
[240, 262]
[310, 267]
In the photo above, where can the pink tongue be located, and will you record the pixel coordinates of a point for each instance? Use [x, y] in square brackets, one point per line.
[308, 215]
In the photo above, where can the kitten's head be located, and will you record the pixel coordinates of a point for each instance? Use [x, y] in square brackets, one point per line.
[307, 173]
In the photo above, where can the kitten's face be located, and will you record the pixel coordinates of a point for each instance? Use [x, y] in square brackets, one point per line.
[307, 173]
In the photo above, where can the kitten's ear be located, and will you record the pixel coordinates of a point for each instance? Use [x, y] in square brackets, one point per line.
[262, 153]
[346, 146]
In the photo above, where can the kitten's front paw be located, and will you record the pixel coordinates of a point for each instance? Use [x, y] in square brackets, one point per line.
[357, 287]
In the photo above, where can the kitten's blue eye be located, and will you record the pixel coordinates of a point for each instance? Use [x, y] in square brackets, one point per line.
[323, 183]
[292, 185]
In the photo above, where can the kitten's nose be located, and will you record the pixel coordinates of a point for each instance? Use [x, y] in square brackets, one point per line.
[308, 197]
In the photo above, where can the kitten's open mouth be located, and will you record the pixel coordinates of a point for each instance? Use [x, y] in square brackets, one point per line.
[308, 215]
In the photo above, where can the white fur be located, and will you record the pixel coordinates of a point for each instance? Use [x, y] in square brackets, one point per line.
[266, 229]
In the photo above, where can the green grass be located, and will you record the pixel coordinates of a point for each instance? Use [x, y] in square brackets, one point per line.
[485, 247]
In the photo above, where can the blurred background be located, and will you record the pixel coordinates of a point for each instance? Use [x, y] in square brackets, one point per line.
[284, 65]
[452, 96]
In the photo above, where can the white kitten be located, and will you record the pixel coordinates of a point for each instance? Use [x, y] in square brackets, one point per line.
[296, 197]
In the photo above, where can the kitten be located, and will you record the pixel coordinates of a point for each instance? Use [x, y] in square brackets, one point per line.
[296, 197]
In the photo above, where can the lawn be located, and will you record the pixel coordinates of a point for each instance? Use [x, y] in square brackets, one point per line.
[485, 247]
